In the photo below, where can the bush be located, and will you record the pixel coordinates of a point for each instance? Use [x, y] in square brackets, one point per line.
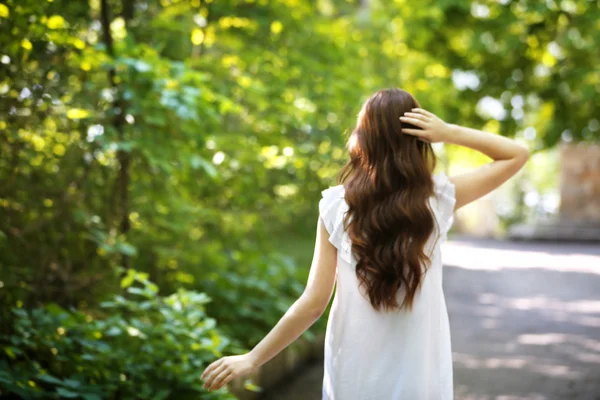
[251, 298]
[141, 346]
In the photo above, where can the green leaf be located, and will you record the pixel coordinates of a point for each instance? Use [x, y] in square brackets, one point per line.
[128, 279]
[72, 383]
[90, 396]
[127, 249]
[252, 387]
[10, 352]
[162, 394]
[199, 162]
[54, 309]
[125, 146]
[113, 331]
[140, 291]
[50, 379]
[66, 393]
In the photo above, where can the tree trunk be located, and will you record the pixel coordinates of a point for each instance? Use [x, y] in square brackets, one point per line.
[119, 107]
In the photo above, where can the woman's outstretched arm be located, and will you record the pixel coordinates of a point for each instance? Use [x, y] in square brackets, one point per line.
[311, 304]
[300, 316]
[508, 156]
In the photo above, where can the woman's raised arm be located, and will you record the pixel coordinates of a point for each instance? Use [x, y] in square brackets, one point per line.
[508, 156]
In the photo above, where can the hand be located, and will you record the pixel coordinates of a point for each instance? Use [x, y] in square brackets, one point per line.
[433, 129]
[225, 369]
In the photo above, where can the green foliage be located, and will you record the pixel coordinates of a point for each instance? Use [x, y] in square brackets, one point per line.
[190, 139]
[250, 299]
[204, 127]
[138, 346]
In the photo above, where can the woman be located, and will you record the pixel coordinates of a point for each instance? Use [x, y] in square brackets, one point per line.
[378, 239]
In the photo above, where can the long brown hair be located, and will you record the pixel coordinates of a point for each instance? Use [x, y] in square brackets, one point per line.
[388, 181]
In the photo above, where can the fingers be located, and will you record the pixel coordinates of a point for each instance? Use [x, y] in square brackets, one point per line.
[416, 115]
[420, 134]
[211, 367]
[414, 132]
[414, 121]
[221, 380]
[424, 112]
[210, 382]
[213, 374]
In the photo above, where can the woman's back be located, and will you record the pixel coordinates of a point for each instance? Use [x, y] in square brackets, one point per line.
[388, 335]
[391, 354]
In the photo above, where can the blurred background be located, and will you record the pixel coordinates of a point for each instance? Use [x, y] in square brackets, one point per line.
[161, 164]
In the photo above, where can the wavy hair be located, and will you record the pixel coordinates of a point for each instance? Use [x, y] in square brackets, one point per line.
[388, 181]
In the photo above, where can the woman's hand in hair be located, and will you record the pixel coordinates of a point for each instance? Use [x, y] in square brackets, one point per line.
[433, 129]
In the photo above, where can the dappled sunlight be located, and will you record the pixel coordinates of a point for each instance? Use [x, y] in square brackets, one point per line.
[538, 303]
[493, 306]
[524, 317]
[470, 361]
[556, 371]
[517, 363]
[541, 339]
[529, 397]
[465, 255]
[588, 321]
[489, 323]
[541, 302]
[588, 357]
[461, 393]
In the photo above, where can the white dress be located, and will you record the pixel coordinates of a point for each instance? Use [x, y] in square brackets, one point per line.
[398, 355]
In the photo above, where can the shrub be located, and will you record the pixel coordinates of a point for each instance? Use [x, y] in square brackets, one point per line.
[139, 346]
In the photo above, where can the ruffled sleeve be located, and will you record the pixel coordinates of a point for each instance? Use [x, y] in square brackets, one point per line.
[330, 210]
[333, 209]
[445, 194]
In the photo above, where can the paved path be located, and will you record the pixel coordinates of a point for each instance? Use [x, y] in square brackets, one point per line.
[525, 321]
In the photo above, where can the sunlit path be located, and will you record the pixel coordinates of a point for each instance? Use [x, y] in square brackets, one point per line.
[525, 321]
